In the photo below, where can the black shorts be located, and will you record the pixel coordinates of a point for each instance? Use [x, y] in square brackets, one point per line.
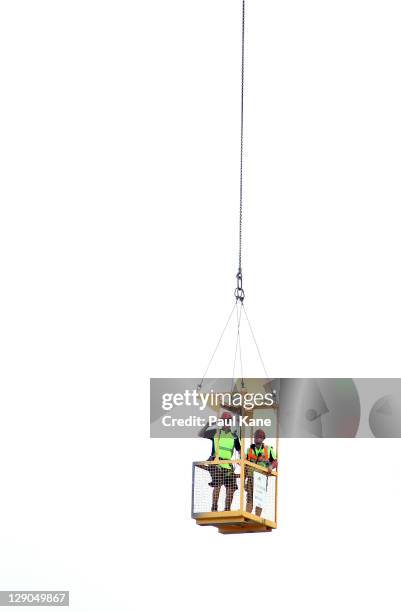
[222, 477]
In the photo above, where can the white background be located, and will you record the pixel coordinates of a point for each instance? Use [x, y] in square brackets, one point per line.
[118, 237]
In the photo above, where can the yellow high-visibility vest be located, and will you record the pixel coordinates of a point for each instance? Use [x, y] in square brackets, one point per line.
[225, 442]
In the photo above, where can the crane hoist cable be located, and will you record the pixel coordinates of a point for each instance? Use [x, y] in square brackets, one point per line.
[239, 292]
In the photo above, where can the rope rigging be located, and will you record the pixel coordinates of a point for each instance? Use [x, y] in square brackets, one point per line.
[238, 349]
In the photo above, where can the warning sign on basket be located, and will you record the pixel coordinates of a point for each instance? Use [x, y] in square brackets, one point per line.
[259, 489]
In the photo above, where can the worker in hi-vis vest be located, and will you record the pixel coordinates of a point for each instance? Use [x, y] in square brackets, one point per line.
[222, 474]
[264, 456]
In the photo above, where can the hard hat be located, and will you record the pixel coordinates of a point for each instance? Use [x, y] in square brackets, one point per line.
[226, 416]
[259, 433]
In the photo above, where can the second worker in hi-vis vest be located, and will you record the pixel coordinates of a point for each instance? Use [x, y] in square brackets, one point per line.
[264, 456]
[222, 474]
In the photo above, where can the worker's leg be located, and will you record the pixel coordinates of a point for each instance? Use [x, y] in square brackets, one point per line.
[249, 494]
[213, 469]
[229, 497]
[231, 486]
[216, 493]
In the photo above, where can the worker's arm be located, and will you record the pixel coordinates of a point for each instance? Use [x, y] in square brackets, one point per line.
[207, 433]
[237, 443]
[273, 459]
[201, 432]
